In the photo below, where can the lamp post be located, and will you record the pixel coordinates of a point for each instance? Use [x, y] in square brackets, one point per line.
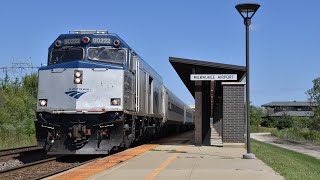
[247, 10]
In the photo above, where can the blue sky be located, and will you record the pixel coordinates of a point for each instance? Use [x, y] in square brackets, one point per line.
[284, 39]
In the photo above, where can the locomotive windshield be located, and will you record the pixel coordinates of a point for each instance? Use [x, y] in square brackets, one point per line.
[66, 54]
[109, 55]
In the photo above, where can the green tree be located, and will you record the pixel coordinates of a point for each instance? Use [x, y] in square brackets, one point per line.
[314, 92]
[255, 115]
[6, 80]
[314, 97]
[17, 106]
[30, 84]
[315, 121]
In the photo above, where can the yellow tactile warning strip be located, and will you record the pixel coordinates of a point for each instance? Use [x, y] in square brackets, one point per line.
[156, 171]
[104, 163]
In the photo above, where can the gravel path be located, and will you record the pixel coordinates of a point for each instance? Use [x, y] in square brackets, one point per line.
[304, 148]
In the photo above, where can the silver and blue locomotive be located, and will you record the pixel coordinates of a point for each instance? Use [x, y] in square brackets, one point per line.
[96, 95]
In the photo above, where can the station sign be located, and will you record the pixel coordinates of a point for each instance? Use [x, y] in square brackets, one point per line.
[213, 77]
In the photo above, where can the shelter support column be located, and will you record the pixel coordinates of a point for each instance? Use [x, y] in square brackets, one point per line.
[217, 115]
[206, 108]
[233, 125]
[217, 108]
[198, 113]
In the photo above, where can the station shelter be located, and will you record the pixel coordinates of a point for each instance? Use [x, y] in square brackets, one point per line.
[219, 105]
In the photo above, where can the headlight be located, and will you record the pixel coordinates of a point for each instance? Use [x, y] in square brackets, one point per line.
[115, 101]
[77, 74]
[43, 102]
[78, 77]
[77, 80]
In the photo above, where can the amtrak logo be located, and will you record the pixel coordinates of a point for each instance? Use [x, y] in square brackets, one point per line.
[76, 92]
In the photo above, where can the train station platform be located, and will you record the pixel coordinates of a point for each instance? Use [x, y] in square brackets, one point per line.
[174, 158]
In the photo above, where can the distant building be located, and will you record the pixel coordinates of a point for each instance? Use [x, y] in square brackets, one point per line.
[289, 108]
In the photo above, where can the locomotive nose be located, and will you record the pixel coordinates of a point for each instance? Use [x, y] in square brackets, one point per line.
[81, 87]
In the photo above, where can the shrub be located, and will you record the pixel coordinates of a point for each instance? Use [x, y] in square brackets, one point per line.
[258, 129]
[17, 108]
[255, 115]
[287, 122]
[269, 122]
[302, 135]
[315, 121]
[301, 122]
[283, 123]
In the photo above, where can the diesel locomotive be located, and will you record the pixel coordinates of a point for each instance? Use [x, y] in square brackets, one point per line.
[96, 94]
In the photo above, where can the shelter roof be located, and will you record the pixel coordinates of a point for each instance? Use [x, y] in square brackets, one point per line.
[186, 67]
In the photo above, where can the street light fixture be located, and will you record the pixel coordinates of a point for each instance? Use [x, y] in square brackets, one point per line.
[247, 10]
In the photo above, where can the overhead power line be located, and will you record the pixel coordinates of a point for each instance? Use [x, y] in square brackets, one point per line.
[18, 68]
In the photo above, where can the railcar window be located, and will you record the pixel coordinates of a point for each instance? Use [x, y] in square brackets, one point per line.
[174, 108]
[110, 55]
[189, 115]
[66, 54]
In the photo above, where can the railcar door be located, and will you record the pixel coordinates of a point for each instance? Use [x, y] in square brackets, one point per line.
[165, 107]
[150, 95]
[130, 84]
[184, 114]
[142, 88]
[137, 75]
[156, 107]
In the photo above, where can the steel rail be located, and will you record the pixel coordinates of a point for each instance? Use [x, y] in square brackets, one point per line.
[28, 165]
[63, 170]
[2, 150]
[7, 152]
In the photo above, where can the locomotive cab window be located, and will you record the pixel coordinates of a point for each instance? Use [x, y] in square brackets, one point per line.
[65, 54]
[109, 55]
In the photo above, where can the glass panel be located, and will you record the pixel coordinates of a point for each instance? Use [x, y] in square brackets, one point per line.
[65, 54]
[110, 55]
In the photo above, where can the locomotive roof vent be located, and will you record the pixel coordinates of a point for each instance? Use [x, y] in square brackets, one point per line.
[89, 32]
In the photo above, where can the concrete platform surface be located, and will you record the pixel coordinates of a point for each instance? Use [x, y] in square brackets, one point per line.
[184, 161]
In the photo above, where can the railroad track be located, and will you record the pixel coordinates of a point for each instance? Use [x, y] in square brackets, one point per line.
[45, 168]
[10, 158]
[39, 165]
[27, 165]
[15, 151]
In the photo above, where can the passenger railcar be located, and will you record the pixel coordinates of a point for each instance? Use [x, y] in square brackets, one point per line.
[96, 94]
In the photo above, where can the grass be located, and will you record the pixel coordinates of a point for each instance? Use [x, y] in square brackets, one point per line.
[258, 129]
[301, 135]
[13, 140]
[290, 164]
